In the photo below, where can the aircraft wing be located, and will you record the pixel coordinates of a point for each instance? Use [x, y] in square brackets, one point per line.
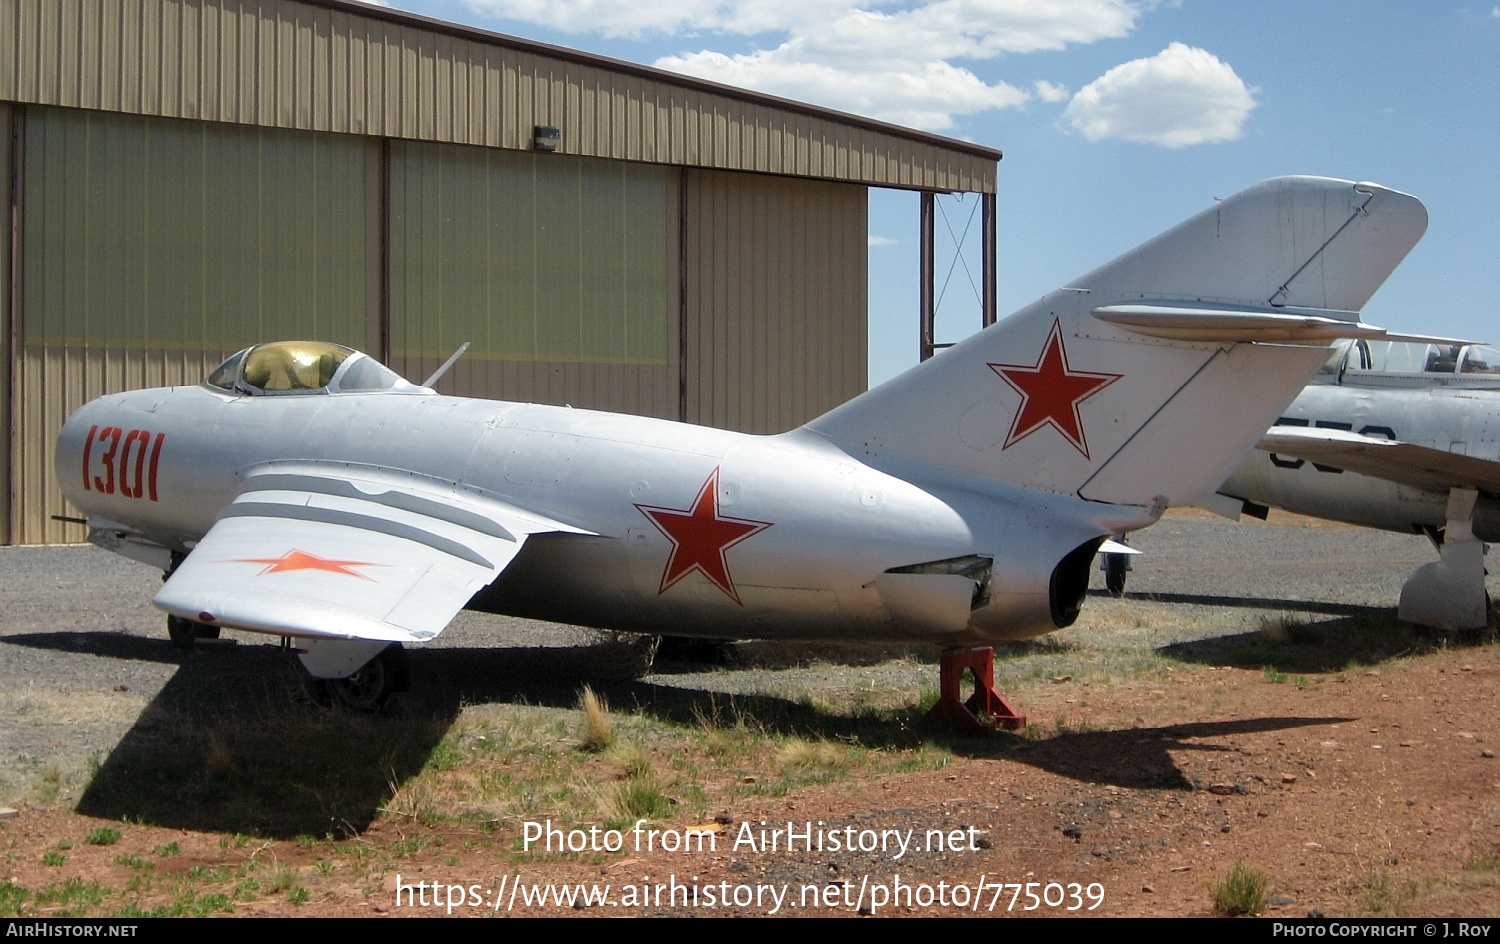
[1404, 463]
[314, 552]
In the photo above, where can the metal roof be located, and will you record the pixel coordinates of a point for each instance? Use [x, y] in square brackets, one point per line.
[338, 66]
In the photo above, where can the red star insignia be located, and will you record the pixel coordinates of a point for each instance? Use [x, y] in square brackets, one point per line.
[301, 560]
[1050, 393]
[700, 536]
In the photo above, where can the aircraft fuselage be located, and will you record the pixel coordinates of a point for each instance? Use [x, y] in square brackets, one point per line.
[1448, 419]
[690, 531]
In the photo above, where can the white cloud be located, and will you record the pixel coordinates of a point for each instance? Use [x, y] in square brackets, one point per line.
[897, 60]
[874, 241]
[630, 18]
[921, 95]
[972, 29]
[1179, 97]
[987, 26]
[1050, 91]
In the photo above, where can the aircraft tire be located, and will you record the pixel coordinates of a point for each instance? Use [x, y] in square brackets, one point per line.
[1115, 569]
[373, 684]
[184, 632]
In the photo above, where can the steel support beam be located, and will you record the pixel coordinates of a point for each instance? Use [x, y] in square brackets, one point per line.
[926, 314]
[988, 314]
[927, 294]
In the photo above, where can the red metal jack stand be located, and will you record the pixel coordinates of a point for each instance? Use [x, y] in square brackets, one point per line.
[986, 710]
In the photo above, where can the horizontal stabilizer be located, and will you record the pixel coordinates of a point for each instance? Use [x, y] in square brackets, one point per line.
[1193, 323]
[1212, 324]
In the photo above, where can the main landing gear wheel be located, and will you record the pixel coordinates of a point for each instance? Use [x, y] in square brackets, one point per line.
[184, 632]
[372, 685]
[1116, 566]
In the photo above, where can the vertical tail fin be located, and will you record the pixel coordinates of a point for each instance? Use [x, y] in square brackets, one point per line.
[1149, 377]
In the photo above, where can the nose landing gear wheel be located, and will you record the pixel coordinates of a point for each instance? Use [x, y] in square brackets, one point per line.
[372, 685]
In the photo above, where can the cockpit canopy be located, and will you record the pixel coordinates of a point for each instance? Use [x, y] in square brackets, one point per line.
[281, 368]
[1394, 363]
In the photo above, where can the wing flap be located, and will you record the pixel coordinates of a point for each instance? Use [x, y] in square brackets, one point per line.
[1400, 462]
[325, 556]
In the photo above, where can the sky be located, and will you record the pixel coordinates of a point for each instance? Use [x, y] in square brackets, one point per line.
[1117, 118]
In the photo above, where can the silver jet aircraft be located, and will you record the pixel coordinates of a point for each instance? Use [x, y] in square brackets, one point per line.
[1403, 437]
[308, 492]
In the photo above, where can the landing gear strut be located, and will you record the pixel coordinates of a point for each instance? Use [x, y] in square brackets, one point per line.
[986, 710]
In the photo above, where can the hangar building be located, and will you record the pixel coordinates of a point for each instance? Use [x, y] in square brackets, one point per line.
[188, 177]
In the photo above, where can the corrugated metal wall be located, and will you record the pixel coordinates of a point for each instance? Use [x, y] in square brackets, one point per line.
[774, 310]
[560, 272]
[330, 66]
[7, 435]
[150, 249]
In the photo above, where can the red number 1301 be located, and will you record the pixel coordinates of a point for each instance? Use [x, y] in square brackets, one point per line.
[129, 459]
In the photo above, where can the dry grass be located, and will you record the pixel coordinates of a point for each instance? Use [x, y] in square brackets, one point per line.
[598, 729]
[798, 754]
[1389, 896]
[632, 761]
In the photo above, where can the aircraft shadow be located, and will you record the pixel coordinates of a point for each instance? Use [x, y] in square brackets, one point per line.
[105, 644]
[234, 742]
[1131, 758]
[1258, 603]
[237, 740]
[1293, 648]
[1134, 757]
[1128, 757]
